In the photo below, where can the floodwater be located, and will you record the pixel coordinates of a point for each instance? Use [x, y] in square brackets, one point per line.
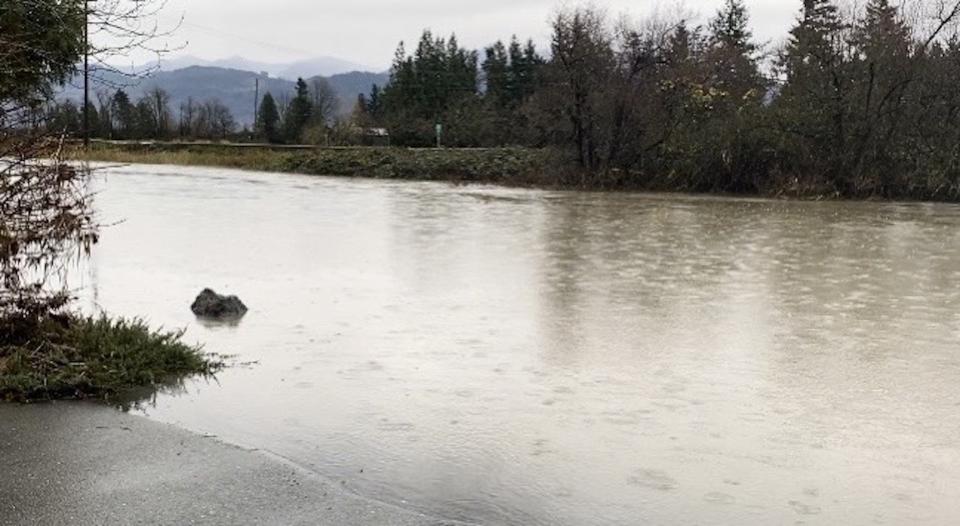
[504, 356]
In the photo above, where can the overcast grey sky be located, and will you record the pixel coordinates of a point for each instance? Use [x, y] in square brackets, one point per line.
[367, 31]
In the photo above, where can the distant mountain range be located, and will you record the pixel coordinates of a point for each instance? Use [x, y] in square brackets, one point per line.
[234, 87]
[323, 66]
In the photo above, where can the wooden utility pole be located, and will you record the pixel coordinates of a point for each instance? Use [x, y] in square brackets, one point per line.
[86, 74]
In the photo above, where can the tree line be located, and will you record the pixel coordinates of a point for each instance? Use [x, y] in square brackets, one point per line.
[303, 118]
[116, 116]
[857, 102]
[306, 118]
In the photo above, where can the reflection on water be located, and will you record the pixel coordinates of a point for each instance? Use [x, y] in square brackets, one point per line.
[139, 398]
[526, 357]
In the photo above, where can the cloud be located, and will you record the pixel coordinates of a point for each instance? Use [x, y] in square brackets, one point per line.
[367, 31]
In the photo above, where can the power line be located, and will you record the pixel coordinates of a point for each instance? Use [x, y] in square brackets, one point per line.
[236, 36]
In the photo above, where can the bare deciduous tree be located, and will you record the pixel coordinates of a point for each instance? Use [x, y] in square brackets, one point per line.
[45, 209]
[325, 101]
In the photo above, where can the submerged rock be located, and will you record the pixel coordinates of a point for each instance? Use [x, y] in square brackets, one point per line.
[211, 305]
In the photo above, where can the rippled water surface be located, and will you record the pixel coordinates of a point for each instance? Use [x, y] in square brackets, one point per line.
[509, 356]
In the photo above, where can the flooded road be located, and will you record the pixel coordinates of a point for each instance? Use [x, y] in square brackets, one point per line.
[507, 356]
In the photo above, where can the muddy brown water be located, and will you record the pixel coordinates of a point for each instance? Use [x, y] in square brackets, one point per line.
[508, 356]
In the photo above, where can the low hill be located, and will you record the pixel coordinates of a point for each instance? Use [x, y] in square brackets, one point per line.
[325, 66]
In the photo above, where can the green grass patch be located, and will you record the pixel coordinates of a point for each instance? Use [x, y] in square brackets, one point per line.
[72, 357]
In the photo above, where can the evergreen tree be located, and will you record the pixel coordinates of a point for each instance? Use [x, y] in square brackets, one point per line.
[437, 79]
[730, 28]
[733, 52]
[124, 115]
[496, 69]
[298, 113]
[813, 46]
[526, 70]
[94, 120]
[374, 104]
[813, 61]
[520, 66]
[882, 35]
[814, 103]
[39, 46]
[882, 72]
[680, 47]
[520, 70]
[511, 75]
[268, 120]
[461, 71]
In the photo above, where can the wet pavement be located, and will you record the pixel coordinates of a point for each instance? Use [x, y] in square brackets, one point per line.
[76, 463]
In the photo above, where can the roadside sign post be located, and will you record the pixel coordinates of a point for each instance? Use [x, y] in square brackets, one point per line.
[439, 135]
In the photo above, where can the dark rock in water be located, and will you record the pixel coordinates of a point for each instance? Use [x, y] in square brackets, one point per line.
[211, 305]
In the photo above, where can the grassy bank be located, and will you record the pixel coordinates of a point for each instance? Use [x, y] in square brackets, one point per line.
[508, 166]
[525, 167]
[80, 358]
